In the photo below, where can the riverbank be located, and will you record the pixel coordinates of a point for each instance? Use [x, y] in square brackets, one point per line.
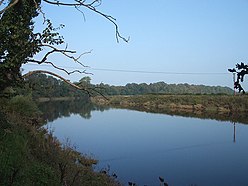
[30, 155]
[203, 106]
[46, 99]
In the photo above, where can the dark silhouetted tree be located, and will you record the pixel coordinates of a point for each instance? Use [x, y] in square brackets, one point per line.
[241, 70]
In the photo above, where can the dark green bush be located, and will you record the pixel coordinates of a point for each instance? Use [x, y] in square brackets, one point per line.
[23, 105]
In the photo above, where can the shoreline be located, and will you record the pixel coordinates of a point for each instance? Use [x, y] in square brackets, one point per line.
[30, 154]
[219, 107]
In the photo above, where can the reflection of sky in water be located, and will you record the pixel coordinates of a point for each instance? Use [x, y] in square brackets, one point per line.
[141, 146]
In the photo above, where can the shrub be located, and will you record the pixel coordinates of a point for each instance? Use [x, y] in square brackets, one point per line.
[23, 105]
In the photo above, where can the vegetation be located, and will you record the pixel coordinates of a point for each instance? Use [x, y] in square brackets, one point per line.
[221, 107]
[41, 85]
[64, 108]
[29, 155]
[162, 88]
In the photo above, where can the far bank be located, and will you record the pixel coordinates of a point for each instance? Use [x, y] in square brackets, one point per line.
[203, 106]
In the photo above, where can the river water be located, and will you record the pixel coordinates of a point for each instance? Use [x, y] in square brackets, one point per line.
[139, 146]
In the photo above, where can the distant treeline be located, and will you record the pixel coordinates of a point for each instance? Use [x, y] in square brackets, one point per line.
[42, 85]
[162, 88]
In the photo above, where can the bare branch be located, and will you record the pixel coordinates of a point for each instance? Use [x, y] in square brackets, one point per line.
[82, 55]
[36, 4]
[88, 90]
[59, 68]
[77, 8]
[9, 6]
[65, 53]
[56, 75]
[93, 3]
[40, 10]
[79, 3]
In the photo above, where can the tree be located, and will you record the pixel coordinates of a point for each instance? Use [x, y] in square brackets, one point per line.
[241, 70]
[85, 80]
[19, 44]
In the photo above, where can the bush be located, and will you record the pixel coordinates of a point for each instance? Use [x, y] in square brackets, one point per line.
[24, 106]
[41, 174]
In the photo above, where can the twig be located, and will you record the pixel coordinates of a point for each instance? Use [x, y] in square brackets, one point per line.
[79, 3]
[59, 68]
[64, 52]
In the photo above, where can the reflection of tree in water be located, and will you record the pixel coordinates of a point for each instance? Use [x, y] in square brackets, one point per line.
[56, 109]
[235, 117]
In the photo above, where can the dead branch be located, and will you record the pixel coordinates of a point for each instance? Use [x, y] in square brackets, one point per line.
[56, 75]
[38, 7]
[64, 52]
[88, 90]
[59, 68]
[91, 6]
[8, 7]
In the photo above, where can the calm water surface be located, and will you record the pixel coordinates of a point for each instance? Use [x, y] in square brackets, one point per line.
[140, 146]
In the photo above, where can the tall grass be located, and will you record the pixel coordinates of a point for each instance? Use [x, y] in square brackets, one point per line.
[29, 155]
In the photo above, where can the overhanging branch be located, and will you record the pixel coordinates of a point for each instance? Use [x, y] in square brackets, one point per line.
[59, 68]
[91, 6]
[65, 52]
[56, 75]
[88, 90]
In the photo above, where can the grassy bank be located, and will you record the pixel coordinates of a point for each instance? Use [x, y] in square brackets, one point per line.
[204, 106]
[29, 155]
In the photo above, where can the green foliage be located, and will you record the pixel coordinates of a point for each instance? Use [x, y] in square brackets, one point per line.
[56, 109]
[13, 151]
[41, 85]
[19, 43]
[41, 174]
[220, 107]
[29, 155]
[16, 40]
[162, 88]
[23, 105]
[50, 35]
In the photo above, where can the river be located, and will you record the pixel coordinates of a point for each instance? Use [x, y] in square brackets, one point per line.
[139, 146]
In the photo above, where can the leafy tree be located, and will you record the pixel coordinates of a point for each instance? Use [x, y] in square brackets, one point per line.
[85, 80]
[17, 41]
[19, 44]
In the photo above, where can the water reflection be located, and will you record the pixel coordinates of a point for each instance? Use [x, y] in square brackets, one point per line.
[234, 132]
[57, 109]
[53, 110]
[140, 147]
[237, 117]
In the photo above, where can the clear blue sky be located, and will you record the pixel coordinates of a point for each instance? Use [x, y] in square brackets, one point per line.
[179, 37]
